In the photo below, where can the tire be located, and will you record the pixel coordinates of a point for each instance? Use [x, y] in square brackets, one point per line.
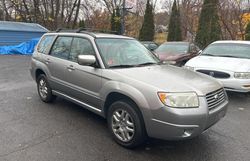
[44, 90]
[126, 124]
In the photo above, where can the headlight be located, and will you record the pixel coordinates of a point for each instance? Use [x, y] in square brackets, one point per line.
[189, 68]
[242, 75]
[179, 100]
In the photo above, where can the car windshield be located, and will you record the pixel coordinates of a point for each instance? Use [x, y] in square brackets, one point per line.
[228, 50]
[124, 53]
[172, 48]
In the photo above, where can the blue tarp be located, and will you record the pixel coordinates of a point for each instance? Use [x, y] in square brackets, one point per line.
[25, 48]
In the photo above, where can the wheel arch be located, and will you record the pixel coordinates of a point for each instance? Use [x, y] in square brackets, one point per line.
[39, 72]
[116, 96]
[113, 91]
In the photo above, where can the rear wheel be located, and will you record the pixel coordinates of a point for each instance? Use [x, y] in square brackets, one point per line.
[126, 124]
[44, 90]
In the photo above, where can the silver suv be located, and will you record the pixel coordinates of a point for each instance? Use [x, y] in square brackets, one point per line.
[119, 79]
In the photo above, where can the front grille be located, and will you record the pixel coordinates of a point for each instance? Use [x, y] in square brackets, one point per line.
[216, 98]
[215, 74]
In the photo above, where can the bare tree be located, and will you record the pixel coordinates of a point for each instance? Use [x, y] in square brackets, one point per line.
[232, 16]
[190, 11]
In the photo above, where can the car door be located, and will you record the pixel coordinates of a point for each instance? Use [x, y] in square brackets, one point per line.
[58, 63]
[85, 81]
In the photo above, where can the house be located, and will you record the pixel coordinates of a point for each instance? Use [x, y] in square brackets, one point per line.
[14, 33]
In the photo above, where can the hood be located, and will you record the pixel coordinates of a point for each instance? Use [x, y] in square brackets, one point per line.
[220, 63]
[171, 56]
[169, 79]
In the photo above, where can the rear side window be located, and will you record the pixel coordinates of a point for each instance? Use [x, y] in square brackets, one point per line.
[61, 47]
[45, 43]
[80, 46]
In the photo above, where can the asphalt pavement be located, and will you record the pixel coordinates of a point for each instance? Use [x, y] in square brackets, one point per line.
[31, 130]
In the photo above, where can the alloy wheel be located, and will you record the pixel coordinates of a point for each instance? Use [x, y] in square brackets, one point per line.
[43, 89]
[123, 125]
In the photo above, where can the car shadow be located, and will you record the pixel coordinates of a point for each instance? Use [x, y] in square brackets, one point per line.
[232, 95]
[237, 99]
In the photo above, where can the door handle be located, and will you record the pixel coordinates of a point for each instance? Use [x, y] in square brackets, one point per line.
[70, 67]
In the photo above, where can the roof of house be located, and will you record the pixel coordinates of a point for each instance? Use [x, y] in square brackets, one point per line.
[21, 26]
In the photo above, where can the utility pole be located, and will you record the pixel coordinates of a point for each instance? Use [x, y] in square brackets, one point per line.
[4, 16]
[123, 14]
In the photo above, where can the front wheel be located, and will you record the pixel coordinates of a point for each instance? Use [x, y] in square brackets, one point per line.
[44, 90]
[126, 124]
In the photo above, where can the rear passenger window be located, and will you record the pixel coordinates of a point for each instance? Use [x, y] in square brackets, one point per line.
[61, 47]
[45, 43]
[80, 46]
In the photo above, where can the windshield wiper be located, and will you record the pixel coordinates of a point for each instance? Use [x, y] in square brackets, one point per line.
[122, 66]
[208, 54]
[148, 63]
[230, 56]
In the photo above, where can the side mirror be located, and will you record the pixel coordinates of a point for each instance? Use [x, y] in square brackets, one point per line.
[194, 49]
[86, 60]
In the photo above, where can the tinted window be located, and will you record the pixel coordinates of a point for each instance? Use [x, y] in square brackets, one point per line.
[178, 48]
[45, 43]
[80, 46]
[61, 47]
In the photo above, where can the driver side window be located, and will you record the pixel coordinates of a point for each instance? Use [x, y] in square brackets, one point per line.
[80, 46]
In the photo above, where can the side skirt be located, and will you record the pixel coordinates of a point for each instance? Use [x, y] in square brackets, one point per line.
[78, 102]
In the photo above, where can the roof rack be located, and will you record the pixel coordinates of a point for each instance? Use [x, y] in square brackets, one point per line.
[97, 30]
[64, 30]
[88, 31]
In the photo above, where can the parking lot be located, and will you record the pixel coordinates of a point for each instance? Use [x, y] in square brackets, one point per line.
[31, 130]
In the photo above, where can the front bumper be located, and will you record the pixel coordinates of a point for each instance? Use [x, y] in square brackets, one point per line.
[177, 124]
[231, 83]
[237, 85]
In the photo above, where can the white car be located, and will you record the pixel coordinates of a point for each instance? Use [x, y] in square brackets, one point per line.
[228, 62]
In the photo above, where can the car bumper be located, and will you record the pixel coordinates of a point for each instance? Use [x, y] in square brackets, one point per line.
[231, 83]
[237, 85]
[179, 124]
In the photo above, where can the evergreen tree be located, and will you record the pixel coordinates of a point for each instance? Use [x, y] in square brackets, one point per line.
[148, 29]
[247, 37]
[174, 28]
[81, 24]
[209, 29]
